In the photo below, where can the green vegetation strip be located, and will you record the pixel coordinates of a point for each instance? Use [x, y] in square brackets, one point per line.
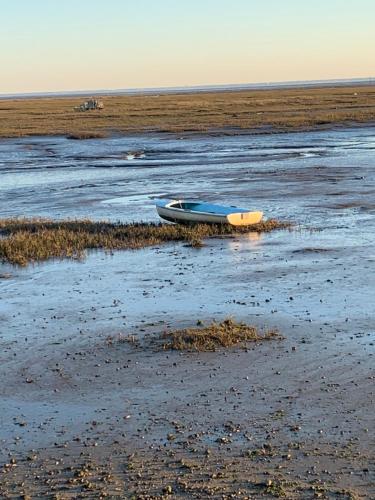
[23, 241]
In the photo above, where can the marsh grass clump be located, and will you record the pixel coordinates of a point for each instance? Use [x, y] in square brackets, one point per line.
[276, 489]
[32, 240]
[214, 336]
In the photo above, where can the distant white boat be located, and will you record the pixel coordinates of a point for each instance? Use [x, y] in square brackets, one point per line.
[184, 211]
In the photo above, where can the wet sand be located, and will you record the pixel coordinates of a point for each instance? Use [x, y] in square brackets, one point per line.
[85, 414]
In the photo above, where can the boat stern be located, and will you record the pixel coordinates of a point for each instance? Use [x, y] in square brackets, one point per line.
[244, 218]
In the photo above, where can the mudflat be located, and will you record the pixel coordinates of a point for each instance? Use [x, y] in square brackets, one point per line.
[91, 408]
[226, 112]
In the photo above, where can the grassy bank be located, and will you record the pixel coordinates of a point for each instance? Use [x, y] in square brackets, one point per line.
[32, 240]
[262, 110]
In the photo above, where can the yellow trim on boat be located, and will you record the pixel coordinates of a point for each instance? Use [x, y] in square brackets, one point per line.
[244, 218]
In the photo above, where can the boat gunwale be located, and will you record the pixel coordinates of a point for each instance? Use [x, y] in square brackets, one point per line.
[186, 210]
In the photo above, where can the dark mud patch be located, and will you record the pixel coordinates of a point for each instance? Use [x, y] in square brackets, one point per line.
[353, 204]
[81, 136]
[312, 250]
[6, 276]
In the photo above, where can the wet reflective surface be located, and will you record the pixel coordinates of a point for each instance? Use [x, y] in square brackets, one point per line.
[315, 283]
[302, 175]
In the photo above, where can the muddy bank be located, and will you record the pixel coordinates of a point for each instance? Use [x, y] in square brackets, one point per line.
[294, 414]
[76, 396]
[298, 413]
[192, 472]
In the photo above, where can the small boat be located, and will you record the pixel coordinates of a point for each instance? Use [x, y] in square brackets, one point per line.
[185, 212]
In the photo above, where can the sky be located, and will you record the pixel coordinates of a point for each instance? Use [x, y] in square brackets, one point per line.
[63, 45]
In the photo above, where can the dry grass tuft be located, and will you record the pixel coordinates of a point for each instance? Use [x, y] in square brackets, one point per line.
[31, 240]
[214, 336]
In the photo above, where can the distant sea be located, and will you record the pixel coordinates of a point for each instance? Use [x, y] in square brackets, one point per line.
[196, 89]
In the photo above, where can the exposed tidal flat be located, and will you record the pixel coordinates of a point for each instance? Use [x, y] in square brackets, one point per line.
[90, 407]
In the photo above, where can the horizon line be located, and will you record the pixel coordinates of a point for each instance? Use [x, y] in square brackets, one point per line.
[191, 88]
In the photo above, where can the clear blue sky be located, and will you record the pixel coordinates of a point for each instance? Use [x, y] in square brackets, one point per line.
[51, 45]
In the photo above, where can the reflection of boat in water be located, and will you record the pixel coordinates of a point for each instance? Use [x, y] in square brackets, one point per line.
[248, 241]
[183, 211]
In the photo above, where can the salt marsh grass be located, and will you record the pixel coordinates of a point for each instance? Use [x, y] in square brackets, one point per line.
[226, 111]
[23, 241]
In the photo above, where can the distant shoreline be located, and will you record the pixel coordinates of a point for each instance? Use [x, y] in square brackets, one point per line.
[227, 112]
[345, 82]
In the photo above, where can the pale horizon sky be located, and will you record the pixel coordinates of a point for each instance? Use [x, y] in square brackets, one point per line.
[72, 45]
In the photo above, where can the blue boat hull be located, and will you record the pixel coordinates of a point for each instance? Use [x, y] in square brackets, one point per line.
[187, 212]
